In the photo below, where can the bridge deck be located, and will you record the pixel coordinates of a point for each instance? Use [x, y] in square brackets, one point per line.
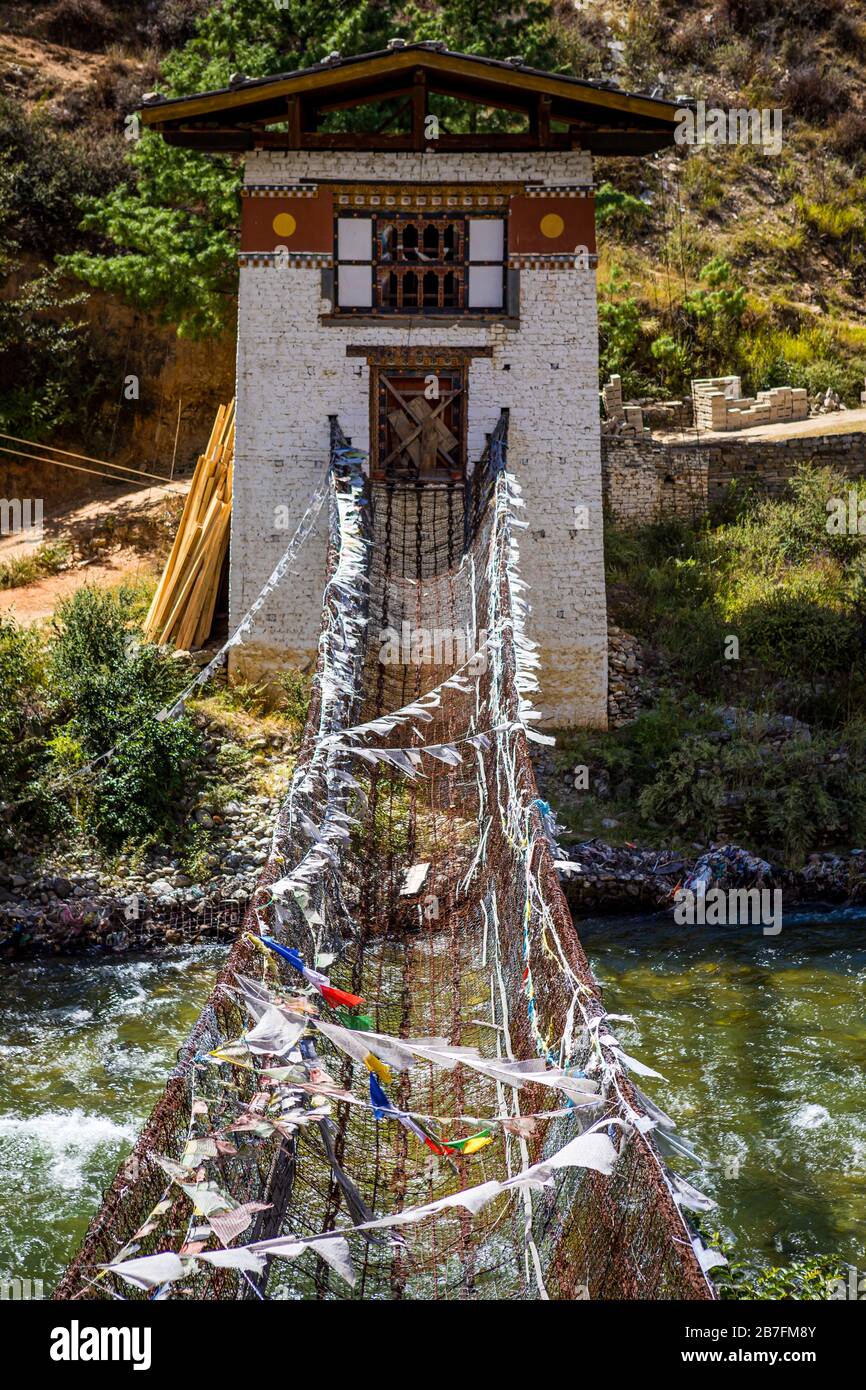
[483, 954]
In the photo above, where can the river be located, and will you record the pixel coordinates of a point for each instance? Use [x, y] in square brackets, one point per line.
[762, 1042]
[85, 1045]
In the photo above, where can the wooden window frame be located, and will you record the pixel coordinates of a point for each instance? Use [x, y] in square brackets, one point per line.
[382, 269]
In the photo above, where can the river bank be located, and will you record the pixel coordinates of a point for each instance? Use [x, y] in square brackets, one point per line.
[604, 879]
[86, 1047]
[83, 911]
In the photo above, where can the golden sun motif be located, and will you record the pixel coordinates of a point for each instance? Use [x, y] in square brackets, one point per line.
[284, 224]
[552, 225]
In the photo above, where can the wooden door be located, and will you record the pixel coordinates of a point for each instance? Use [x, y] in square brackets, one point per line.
[419, 429]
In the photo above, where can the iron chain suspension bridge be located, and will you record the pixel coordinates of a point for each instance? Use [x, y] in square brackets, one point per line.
[404, 1083]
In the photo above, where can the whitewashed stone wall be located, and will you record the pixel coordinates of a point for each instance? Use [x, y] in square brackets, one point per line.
[293, 373]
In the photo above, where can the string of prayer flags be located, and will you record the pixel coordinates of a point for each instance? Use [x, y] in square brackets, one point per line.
[417, 709]
[377, 1051]
[381, 1054]
[275, 1034]
[472, 1144]
[228, 1225]
[331, 995]
[383, 1109]
[593, 1150]
[361, 1023]
[444, 753]
[376, 1066]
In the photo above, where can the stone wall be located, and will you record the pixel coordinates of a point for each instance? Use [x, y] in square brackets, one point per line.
[770, 464]
[293, 372]
[645, 482]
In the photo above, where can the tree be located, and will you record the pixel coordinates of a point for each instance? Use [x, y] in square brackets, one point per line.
[714, 315]
[171, 237]
[619, 325]
[486, 28]
[489, 29]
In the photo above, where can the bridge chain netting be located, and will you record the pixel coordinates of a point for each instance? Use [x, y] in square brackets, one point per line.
[438, 1107]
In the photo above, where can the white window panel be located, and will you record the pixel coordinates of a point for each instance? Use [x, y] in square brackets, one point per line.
[485, 287]
[486, 238]
[355, 286]
[354, 238]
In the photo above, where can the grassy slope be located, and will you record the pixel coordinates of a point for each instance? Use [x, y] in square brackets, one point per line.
[791, 225]
[761, 739]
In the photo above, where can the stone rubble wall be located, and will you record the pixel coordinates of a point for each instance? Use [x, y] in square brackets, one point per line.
[646, 482]
[631, 689]
[718, 404]
[770, 464]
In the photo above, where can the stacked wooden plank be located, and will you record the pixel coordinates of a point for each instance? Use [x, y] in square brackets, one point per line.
[183, 605]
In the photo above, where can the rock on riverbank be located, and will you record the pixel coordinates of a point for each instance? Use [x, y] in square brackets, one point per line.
[52, 906]
[613, 878]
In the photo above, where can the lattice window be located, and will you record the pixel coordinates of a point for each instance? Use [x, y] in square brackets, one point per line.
[416, 264]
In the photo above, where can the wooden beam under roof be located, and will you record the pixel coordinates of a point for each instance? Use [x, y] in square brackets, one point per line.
[419, 108]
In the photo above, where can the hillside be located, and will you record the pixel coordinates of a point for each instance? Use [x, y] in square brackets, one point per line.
[715, 259]
[790, 226]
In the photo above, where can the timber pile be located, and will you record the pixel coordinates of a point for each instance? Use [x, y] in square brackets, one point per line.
[183, 605]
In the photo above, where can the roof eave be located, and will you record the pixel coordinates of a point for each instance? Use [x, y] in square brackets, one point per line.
[368, 66]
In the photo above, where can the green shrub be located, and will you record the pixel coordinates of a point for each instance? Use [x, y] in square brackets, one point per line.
[618, 209]
[713, 314]
[797, 627]
[673, 360]
[835, 221]
[142, 789]
[801, 796]
[829, 373]
[766, 571]
[811, 1280]
[108, 686]
[23, 713]
[296, 692]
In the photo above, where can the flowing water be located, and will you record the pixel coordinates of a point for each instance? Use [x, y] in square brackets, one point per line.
[762, 1041]
[763, 1044]
[85, 1045]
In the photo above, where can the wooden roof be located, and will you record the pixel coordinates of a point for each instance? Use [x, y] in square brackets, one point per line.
[556, 111]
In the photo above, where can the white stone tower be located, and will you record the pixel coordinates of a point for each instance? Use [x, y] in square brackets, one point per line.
[391, 259]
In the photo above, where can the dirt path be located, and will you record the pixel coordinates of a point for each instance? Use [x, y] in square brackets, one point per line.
[33, 603]
[115, 537]
[840, 422]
